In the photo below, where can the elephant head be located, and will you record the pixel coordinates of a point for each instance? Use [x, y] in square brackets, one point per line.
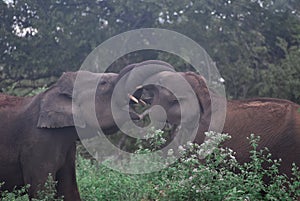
[132, 77]
[183, 98]
[81, 99]
[187, 101]
[180, 96]
[180, 99]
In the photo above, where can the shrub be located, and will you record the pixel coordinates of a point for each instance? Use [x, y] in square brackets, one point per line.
[219, 177]
[47, 194]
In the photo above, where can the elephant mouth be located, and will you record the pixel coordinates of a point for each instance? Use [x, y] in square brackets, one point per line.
[173, 128]
[110, 131]
[134, 116]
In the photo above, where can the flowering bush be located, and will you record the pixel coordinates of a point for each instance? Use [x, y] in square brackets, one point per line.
[205, 172]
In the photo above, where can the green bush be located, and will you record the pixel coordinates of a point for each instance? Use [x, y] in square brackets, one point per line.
[97, 182]
[219, 177]
[17, 195]
[47, 194]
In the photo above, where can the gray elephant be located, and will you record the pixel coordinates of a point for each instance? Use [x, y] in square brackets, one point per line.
[38, 134]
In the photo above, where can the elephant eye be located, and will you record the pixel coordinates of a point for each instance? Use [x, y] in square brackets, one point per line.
[103, 82]
[174, 102]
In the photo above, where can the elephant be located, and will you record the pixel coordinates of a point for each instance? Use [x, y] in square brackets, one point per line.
[38, 134]
[276, 121]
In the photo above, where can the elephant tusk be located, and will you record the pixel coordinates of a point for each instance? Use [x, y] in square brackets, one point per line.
[134, 99]
[143, 102]
[139, 87]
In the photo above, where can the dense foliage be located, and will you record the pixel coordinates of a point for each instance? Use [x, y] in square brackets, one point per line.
[221, 177]
[254, 43]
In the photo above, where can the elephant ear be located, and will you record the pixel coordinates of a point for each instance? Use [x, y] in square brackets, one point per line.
[56, 105]
[213, 103]
[198, 83]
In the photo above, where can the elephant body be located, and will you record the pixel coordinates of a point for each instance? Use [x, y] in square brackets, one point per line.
[29, 154]
[276, 121]
[38, 134]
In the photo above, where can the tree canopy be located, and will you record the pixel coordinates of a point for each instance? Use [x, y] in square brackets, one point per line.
[255, 43]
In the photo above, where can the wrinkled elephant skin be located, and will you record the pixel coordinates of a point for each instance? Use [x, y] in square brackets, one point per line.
[38, 134]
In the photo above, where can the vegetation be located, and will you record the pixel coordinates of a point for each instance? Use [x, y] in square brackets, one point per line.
[47, 194]
[255, 44]
[220, 177]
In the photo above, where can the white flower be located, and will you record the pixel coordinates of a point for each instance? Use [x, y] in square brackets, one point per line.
[221, 79]
[181, 148]
[170, 152]
[189, 143]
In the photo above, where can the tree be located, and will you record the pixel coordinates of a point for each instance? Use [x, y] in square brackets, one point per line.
[43, 39]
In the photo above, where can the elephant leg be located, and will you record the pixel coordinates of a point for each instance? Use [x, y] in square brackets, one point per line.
[36, 178]
[39, 161]
[66, 177]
